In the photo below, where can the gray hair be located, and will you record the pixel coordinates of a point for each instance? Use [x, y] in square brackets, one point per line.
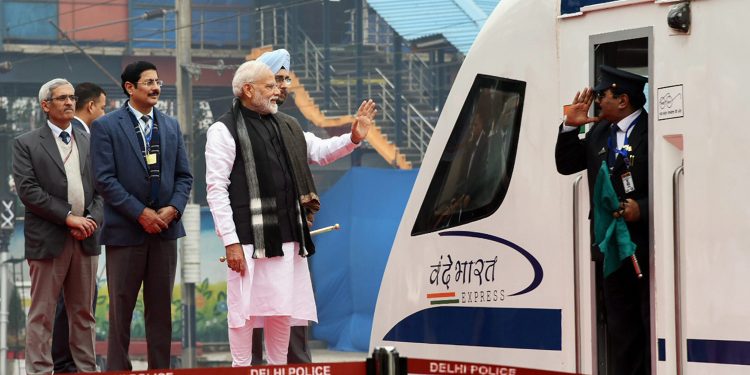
[45, 93]
[247, 72]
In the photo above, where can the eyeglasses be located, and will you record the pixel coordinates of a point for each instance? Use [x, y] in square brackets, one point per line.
[281, 79]
[151, 82]
[63, 98]
[599, 95]
[268, 86]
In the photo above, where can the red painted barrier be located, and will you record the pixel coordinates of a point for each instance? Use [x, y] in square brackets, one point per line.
[416, 366]
[343, 368]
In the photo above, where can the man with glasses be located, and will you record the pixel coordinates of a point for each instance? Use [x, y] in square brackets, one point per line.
[142, 172]
[53, 176]
[90, 106]
[260, 189]
[280, 63]
[616, 149]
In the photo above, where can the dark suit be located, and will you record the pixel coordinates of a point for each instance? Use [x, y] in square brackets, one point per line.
[61, 355]
[57, 261]
[134, 256]
[626, 297]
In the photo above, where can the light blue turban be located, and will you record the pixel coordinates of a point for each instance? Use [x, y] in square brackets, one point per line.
[276, 60]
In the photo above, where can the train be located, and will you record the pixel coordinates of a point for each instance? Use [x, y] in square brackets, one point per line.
[491, 262]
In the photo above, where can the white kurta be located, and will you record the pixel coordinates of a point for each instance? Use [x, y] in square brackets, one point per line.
[278, 286]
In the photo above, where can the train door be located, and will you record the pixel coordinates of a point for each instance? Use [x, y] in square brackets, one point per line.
[632, 50]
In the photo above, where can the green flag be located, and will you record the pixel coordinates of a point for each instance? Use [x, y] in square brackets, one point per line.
[611, 234]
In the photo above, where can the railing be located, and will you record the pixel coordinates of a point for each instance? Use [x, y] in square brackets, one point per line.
[417, 130]
[419, 77]
[274, 28]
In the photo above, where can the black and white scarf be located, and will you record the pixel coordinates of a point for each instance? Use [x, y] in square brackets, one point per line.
[263, 205]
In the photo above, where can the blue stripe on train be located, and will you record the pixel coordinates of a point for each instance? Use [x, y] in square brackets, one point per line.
[518, 328]
[718, 351]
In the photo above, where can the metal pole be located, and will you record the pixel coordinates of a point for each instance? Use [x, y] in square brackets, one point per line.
[327, 54]
[6, 230]
[358, 31]
[398, 111]
[185, 117]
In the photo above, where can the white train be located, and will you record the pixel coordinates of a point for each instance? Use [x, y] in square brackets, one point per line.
[491, 262]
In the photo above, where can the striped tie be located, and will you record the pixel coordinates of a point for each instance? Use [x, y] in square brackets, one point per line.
[146, 120]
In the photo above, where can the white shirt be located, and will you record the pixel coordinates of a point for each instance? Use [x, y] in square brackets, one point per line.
[56, 130]
[220, 154]
[138, 116]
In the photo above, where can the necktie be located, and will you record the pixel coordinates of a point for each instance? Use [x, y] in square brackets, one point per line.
[65, 137]
[613, 145]
[147, 133]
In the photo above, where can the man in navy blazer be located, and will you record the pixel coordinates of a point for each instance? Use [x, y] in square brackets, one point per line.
[142, 172]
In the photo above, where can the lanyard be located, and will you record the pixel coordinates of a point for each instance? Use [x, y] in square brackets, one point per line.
[146, 140]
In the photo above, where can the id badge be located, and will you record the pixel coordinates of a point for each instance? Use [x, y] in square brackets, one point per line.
[627, 182]
[150, 159]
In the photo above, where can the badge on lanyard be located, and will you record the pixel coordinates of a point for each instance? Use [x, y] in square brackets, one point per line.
[150, 159]
[627, 182]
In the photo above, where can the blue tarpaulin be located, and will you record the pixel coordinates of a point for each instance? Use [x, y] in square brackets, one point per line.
[349, 263]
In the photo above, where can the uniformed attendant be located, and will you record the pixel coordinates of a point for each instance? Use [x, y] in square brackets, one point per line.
[618, 138]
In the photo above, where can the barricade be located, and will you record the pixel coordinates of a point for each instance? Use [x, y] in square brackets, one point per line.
[384, 362]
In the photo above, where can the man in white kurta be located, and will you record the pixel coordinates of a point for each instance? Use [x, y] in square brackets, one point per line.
[268, 282]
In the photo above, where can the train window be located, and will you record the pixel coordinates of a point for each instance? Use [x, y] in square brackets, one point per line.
[473, 174]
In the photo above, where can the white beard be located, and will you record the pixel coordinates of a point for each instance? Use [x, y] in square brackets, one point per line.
[265, 107]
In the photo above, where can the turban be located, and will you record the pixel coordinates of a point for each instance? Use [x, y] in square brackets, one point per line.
[276, 60]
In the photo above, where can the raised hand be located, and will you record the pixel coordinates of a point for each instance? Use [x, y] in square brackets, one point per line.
[577, 113]
[365, 116]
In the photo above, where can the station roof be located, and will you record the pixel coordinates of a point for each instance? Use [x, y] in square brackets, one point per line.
[458, 21]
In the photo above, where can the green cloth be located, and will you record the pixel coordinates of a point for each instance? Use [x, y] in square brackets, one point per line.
[611, 234]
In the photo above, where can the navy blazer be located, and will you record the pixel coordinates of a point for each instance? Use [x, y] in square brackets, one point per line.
[121, 176]
[42, 186]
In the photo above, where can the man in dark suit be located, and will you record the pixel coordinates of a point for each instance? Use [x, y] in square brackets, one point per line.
[142, 172]
[52, 171]
[619, 138]
[90, 106]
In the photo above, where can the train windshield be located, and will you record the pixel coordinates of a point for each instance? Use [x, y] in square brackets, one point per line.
[474, 171]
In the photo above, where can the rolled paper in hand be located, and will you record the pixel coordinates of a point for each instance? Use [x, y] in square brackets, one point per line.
[325, 229]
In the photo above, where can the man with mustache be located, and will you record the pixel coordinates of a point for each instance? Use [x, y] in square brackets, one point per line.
[333, 148]
[260, 190]
[142, 172]
[92, 100]
[52, 172]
